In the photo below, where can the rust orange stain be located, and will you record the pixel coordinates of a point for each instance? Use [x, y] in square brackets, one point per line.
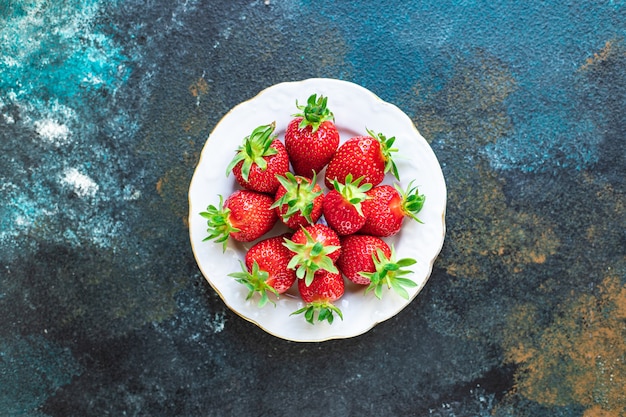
[494, 230]
[602, 55]
[597, 411]
[591, 232]
[199, 87]
[173, 187]
[613, 50]
[537, 258]
[580, 358]
[159, 185]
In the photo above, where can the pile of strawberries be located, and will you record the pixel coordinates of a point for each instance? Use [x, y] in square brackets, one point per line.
[333, 232]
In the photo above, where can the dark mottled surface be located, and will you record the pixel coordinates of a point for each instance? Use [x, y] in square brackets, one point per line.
[105, 107]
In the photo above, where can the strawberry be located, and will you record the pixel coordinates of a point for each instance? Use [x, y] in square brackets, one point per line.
[245, 216]
[298, 200]
[387, 207]
[265, 269]
[314, 248]
[363, 156]
[259, 159]
[358, 257]
[368, 260]
[311, 137]
[326, 288]
[342, 205]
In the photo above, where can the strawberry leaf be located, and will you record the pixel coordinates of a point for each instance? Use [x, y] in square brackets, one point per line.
[308, 315]
[299, 195]
[412, 201]
[399, 289]
[406, 262]
[378, 291]
[314, 113]
[254, 149]
[310, 257]
[388, 273]
[256, 282]
[219, 226]
[325, 312]
[386, 148]
[353, 191]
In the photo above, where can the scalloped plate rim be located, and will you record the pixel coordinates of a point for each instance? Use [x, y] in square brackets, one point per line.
[308, 85]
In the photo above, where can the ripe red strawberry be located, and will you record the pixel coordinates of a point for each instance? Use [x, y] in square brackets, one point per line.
[298, 200]
[387, 207]
[359, 256]
[265, 269]
[342, 205]
[311, 137]
[259, 159]
[368, 260]
[314, 248]
[326, 288]
[245, 216]
[363, 156]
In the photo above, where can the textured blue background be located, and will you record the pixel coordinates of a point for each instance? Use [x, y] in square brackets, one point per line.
[105, 106]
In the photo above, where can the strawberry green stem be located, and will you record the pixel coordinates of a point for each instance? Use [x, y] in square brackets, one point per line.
[353, 191]
[389, 273]
[314, 113]
[412, 201]
[386, 148]
[299, 196]
[324, 309]
[256, 282]
[310, 257]
[253, 150]
[219, 226]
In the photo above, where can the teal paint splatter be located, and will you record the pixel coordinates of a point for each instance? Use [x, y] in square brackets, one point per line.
[60, 75]
[52, 52]
[548, 142]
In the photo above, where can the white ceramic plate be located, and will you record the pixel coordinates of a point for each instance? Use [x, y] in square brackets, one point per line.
[355, 109]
